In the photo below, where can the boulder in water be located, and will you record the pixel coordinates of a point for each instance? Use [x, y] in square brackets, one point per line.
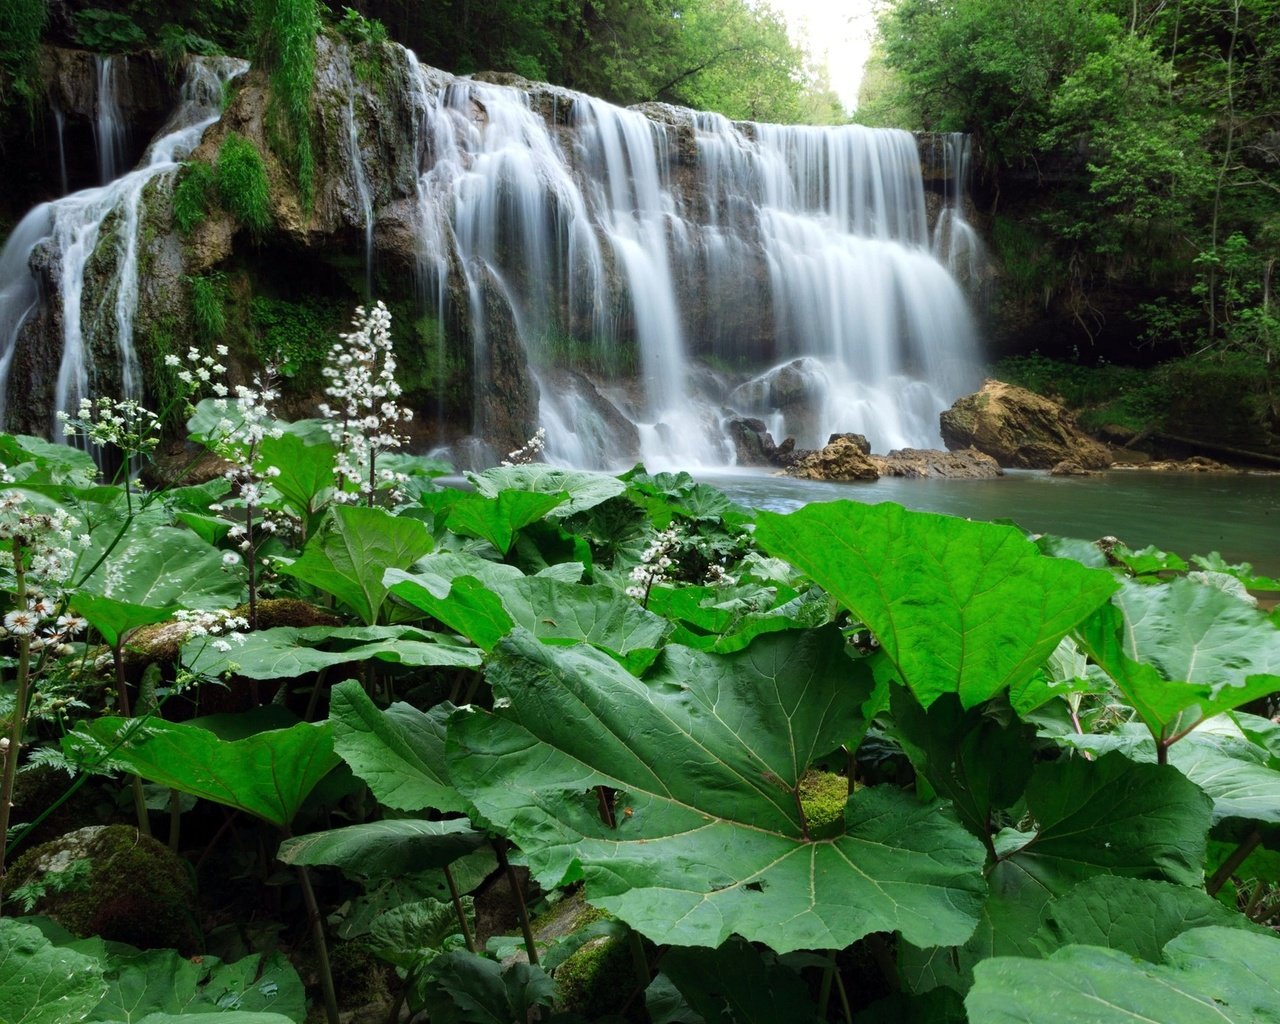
[928, 463]
[841, 461]
[1020, 429]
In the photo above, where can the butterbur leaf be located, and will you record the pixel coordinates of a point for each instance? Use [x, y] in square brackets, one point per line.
[413, 933]
[960, 607]
[353, 547]
[584, 489]
[462, 988]
[1104, 817]
[390, 848]
[41, 983]
[1182, 652]
[268, 774]
[737, 983]
[462, 604]
[286, 652]
[305, 472]
[151, 982]
[969, 757]
[704, 757]
[1137, 916]
[1209, 974]
[498, 519]
[399, 752]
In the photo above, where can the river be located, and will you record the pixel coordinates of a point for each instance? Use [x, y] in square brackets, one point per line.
[1237, 514]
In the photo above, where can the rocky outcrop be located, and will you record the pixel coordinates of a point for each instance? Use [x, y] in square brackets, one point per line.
[1020, 429]
[1195, 464]
[842, 461]
[929, 463]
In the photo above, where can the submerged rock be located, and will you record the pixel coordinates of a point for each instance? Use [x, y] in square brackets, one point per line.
[1020, 429]
[965, 464]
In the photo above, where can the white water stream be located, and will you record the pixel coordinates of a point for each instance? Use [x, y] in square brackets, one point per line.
[73, 227]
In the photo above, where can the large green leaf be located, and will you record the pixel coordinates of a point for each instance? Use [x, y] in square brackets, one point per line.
[163, 981]
[973, 759]
[286, 652]
[1238, 775]
[416, 933]
[351, 550]
[1209, 974]
[395, 847]
[1137, 916]
[1104, 817]
[737, 983]
[305, 472]
[461, 603]
[705, 758]
[498, 519]
[150, 572]
[463, 988]
[41, 983]
[584, 489]
[960, 607]
[1182, 652]
[399, 752]
[268, 774]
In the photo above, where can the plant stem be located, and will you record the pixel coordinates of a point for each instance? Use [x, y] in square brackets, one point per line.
[639, 960]
[1238, 856]
[824, 993]
[844, 998]
[18, 721]
[500, 848]
[122, 696]
[458, 909]
[175, 819]
[322, 947]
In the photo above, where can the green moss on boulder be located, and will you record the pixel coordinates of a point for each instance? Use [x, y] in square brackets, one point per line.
[137, 891]
[823, 796]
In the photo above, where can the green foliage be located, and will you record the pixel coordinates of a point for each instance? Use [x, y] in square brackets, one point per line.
[193, 195]
[208, 305]
[1102, 395]
[106, 31]
[292, 335]
[21, 24]
[267, 774]
[356, 28]
[243, 188]
[73, 878]
[286, 33]
[42, 984]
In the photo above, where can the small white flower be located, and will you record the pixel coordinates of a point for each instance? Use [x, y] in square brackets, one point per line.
[21, 622]
[230, 558]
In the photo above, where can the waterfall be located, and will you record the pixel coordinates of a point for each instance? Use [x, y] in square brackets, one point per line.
[797, 259]
[365, 197]
[110, 131]
[76, 227]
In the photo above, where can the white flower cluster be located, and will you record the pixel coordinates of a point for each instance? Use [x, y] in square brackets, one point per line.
[222, 625]
[25, 621]
[361, 370]
[45, 540]
[202, 370]
[123, 422]
[654, 564]
[530, 451]
[717, 577]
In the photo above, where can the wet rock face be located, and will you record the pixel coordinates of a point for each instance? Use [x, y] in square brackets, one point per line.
[1019, 429]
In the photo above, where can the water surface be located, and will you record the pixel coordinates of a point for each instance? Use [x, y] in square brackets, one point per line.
[1237, 515]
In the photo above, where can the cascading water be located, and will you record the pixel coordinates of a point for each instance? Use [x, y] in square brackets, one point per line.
[361, 185]
[677, 236]
[75, 226]
[110, 130]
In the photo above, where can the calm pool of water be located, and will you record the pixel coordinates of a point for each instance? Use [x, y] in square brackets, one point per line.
[1235, 514]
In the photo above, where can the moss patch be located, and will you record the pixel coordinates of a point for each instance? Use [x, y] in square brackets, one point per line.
[823, 796]
[136, 890]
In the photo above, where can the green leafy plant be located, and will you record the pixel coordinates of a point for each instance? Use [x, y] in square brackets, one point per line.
[243, 188]
[107, 31]
[193, 195]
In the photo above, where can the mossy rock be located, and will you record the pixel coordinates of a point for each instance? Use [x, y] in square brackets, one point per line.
[598, 979]
[38, 788]
[136, 891]
[360, 978]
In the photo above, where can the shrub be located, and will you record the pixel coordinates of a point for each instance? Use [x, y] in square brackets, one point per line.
[21, 22]
[208, 309]
[286, 30]
[242, 184]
